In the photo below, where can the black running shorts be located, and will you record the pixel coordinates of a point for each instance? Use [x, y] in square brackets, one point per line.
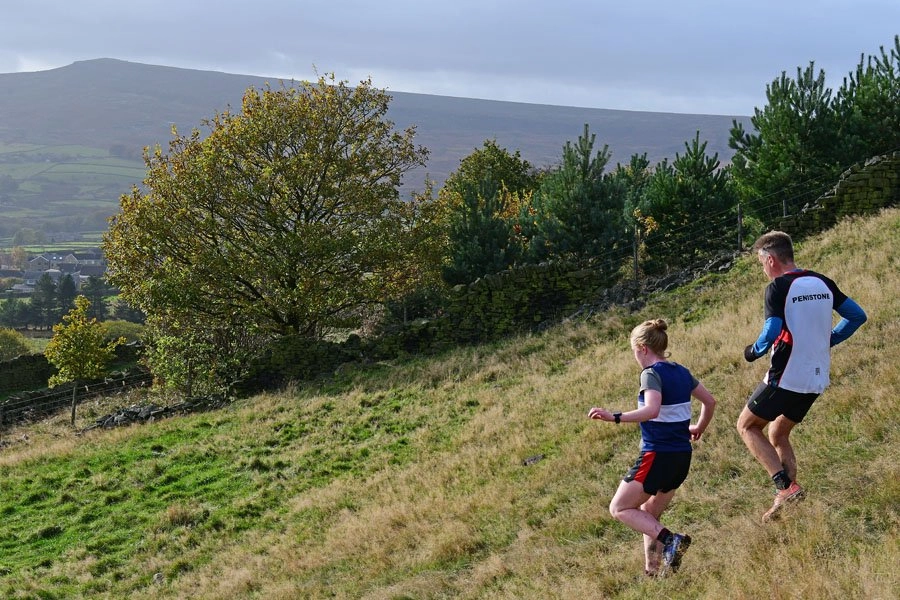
[769, 402]
[660, 471]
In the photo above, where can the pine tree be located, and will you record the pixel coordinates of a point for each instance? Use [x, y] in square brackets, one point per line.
[577, 209]
[66, 291]
[691, 202]
[43, 302]
[793, 156]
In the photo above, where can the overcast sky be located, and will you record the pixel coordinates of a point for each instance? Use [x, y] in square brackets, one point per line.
[704, 56]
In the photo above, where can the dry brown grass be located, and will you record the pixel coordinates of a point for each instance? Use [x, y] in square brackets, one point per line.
[421, 531]
[439, 509]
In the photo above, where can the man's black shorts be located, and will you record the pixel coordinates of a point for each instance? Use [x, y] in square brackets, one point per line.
[769, 402]
[660, 471]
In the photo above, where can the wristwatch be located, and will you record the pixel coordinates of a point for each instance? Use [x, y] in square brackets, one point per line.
[617, 417]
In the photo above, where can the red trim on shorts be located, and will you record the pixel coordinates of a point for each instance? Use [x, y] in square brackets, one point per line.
[646, 463]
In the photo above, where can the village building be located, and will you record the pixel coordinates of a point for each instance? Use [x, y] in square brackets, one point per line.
[81, 265]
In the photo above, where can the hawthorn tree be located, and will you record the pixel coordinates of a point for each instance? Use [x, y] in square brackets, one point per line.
[19, 258]
[285, 219]
[417, 289]
[497, 164]
[12, 344]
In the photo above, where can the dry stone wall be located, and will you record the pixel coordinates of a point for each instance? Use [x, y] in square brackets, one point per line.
[864, 188]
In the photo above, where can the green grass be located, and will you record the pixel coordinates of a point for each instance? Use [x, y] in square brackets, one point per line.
[89, 239]
[37, 344]
[407, 479]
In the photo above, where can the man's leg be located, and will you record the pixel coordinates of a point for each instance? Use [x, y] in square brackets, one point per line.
[779, 437]
[750, 428]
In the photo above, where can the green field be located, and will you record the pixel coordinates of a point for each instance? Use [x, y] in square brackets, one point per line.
[64, 188]
[89, 239]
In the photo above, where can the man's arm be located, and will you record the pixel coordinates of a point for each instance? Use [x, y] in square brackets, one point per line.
[853, 317]
[766, 338]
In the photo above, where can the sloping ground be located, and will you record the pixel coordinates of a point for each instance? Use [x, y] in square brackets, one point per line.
[478, 475]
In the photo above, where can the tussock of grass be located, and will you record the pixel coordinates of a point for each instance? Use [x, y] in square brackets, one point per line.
[409, 479]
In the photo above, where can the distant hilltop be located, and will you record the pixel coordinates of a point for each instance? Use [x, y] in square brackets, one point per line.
[106, 103]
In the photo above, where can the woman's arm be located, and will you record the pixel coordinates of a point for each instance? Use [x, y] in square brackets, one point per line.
[650, 410]
[707, 408]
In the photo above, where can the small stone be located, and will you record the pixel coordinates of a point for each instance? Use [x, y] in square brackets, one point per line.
[532, 460]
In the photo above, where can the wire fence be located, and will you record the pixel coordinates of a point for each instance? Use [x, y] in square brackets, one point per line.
[33, 405]
[724, 231]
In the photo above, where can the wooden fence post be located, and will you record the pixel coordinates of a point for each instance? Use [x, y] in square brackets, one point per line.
[74, 398]
[637, 235]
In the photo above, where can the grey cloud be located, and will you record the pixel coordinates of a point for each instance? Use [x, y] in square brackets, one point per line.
[710, 55]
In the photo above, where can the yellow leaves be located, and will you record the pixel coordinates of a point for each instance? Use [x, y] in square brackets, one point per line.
[302, 178]
[78, 348]
[512, 203]
[647, 223]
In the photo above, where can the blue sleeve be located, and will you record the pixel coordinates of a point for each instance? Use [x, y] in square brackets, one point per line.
[769, 334]
[853, 317]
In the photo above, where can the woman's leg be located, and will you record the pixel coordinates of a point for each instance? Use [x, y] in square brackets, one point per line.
[639, 510]
[625, 506]
[655, 505]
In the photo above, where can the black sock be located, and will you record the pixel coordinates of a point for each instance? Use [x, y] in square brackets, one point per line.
[782, 481]
[663, 535]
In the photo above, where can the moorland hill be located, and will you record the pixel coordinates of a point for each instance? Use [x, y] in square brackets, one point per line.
[71, 138]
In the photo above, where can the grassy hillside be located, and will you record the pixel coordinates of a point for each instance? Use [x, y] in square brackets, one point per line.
[407, 480]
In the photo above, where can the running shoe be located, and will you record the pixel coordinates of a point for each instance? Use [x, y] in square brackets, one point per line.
[791, 493]
[673, 550]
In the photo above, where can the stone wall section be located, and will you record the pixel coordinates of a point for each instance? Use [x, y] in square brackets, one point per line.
[863, 189]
